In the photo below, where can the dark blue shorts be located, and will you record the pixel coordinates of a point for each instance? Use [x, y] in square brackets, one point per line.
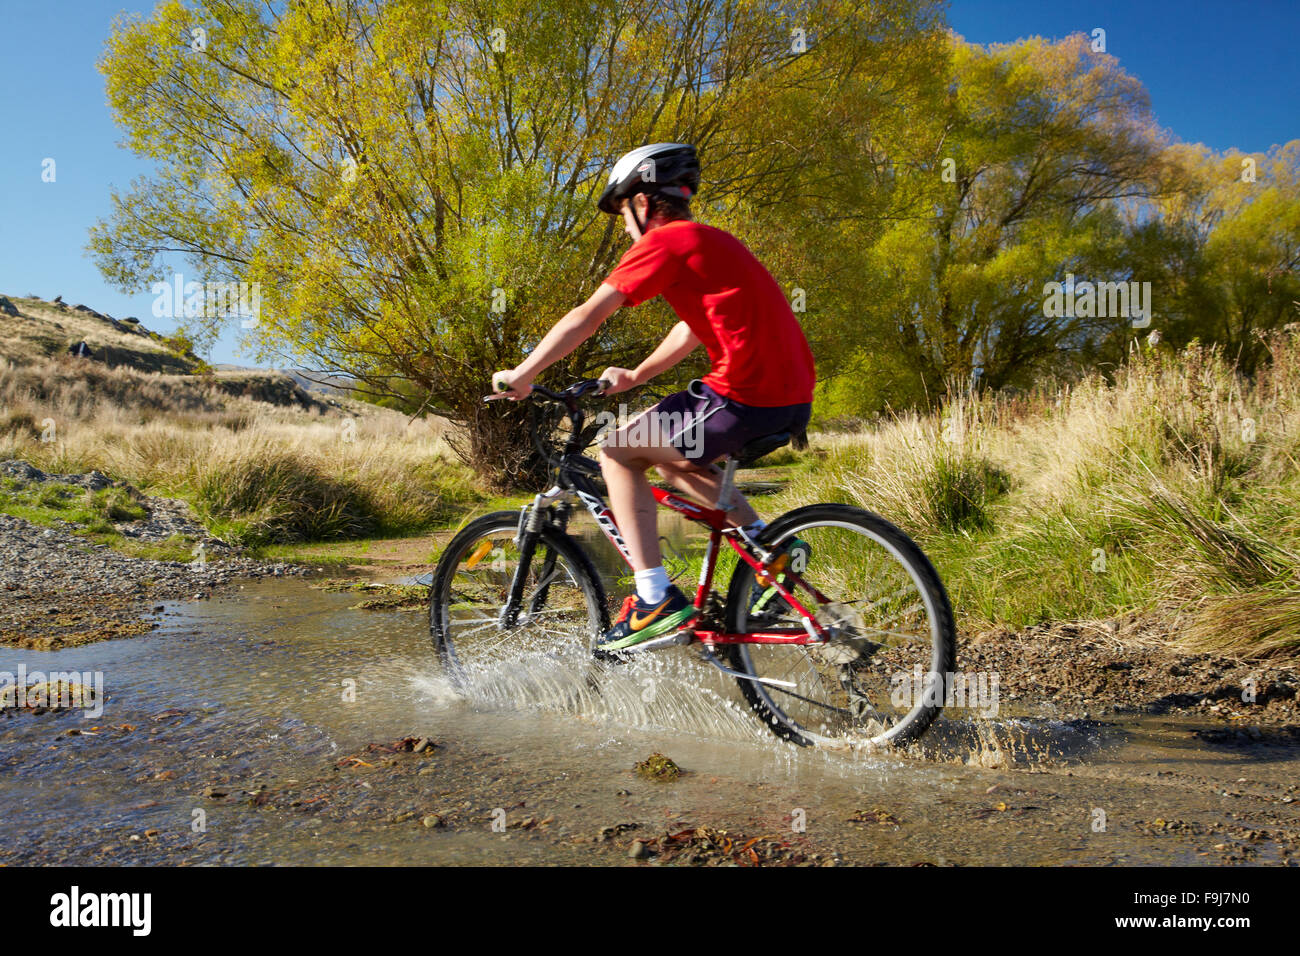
[709, 426]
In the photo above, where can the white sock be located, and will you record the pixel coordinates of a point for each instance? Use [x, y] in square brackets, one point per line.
[651, 584]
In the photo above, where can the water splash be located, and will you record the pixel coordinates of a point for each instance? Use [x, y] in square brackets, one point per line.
[1009, 743]
[660, 692]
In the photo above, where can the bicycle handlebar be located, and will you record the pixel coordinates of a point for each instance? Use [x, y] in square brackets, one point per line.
[568, 398]
[579, 389]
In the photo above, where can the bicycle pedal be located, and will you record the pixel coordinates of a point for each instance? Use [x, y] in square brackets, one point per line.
[774, 572]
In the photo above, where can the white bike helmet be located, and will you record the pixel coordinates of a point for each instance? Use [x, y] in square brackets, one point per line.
[665, 169]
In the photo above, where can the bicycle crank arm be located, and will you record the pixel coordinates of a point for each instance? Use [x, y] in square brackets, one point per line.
[659, 643]
[771, 681]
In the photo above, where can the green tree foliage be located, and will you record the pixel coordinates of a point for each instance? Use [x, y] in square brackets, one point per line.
[1013, 179]
[1222, 248]
[1038, 161]
[412, 182]
[412, 185]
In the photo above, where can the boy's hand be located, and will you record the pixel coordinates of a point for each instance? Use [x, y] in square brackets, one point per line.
[506, 384]
[620, 380]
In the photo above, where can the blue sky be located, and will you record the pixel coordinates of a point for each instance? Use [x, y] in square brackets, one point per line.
[1220, 73]
[1224, 74]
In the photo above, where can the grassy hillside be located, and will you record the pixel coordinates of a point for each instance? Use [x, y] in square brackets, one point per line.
[259, 459]
[31, 328]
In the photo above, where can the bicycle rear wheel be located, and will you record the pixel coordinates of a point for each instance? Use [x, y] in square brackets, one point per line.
[883, 675]
[561, 614]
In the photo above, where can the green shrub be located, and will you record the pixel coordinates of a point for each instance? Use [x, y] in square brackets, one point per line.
[275, 496]
[958, 491]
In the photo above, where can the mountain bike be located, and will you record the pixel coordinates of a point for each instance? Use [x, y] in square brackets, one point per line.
[850, 643]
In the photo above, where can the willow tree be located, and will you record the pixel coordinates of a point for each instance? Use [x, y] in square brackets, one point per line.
[411, 183]
[1222, 248]
[1016, 177]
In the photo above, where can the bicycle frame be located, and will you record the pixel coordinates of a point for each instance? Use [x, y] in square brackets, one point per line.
[720, 529]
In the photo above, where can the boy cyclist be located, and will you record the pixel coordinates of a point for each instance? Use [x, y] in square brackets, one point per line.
[761, 381]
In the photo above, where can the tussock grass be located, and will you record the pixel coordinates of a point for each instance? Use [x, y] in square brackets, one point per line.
[1172, 490]
[929, 474]
[1258, 623]
[257, 473]
[262, 494]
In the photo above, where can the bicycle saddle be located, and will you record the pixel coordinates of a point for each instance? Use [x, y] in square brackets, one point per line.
[759, 447]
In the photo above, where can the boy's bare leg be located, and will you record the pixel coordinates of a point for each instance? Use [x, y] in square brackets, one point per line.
[633, 502]
[703, 485]
[625, 457]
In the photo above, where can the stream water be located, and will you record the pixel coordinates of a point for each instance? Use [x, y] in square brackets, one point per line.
[226, 736]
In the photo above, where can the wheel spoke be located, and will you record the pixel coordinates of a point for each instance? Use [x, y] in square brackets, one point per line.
[468, 603]
[878, 610]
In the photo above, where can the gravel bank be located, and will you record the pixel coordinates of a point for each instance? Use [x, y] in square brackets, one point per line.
[1131, 665]
[58, 589]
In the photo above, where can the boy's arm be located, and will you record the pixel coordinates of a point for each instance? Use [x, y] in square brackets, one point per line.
[565, 336]
[677, 344]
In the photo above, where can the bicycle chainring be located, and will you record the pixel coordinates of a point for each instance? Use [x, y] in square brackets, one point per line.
[713, 616]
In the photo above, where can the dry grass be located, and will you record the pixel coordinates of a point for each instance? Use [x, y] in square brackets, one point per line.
[258, 473]
[1174, 489]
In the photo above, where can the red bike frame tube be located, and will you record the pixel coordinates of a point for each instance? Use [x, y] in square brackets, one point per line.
[717, 522]
[786, 594]
[715, 519]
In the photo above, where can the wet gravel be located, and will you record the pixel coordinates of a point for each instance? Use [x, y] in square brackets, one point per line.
[59, 589]
[1131, 665]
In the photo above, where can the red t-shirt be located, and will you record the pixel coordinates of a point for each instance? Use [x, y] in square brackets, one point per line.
[732, 304]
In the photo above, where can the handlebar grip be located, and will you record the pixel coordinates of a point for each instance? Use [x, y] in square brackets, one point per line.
[604, 384]
[499, 387]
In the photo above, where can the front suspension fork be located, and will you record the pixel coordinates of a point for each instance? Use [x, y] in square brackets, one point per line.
[531, 522]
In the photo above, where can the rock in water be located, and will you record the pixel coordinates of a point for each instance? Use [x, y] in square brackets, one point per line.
[658, 767]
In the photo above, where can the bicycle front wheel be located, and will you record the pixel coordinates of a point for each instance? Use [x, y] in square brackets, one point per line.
[485, 651]
[883, 675]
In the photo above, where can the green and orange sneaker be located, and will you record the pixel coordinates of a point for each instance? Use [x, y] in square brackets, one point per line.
[639, 621]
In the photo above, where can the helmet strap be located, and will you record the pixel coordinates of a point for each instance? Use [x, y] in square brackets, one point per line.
[639, 224]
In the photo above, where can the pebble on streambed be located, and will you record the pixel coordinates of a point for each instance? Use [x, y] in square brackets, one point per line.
[47, 695]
